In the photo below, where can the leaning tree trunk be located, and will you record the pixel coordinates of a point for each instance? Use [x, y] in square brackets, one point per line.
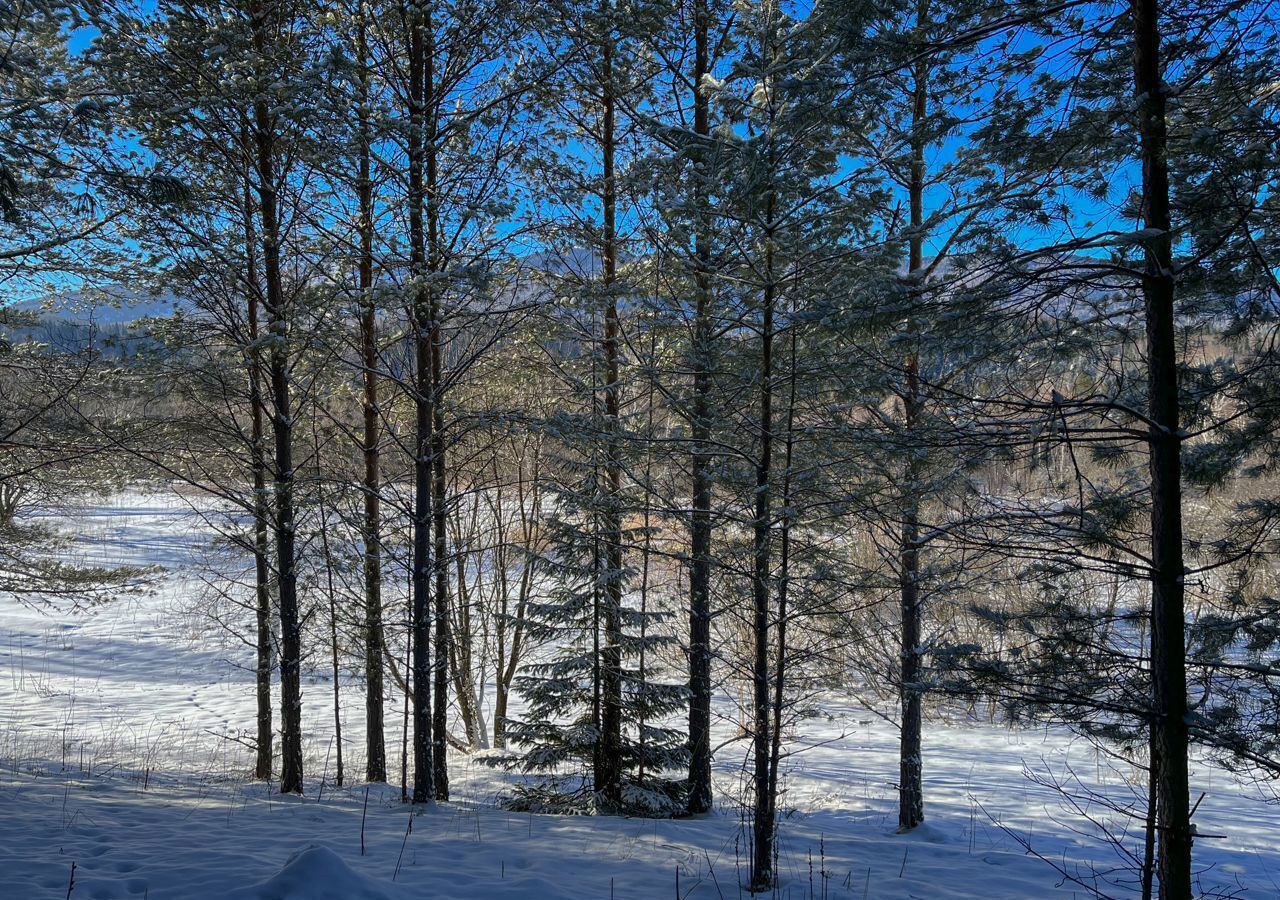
[264, 128]
[461, 649]
[1168, 622]
[511, 648]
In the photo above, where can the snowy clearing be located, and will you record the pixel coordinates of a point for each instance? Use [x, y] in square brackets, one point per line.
[116, 759]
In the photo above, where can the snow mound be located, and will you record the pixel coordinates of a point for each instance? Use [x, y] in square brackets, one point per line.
[314, 873]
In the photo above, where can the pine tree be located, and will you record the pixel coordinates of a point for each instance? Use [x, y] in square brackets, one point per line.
[787, 209]
[594, 682]
[64, 196]
[919, 315]
[371, 435]
[684, 163]
[1135, 430]
[421, 306]
[246, 132]
[63, 193]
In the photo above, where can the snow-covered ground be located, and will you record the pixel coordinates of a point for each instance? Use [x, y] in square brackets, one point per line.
[118, 758]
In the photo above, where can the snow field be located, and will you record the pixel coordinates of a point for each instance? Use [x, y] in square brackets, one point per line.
[118, 754]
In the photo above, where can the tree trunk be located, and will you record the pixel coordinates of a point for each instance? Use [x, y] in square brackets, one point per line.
[646, 553]
[784, 583]
[261, 505]
[262, 584]
[608, 774]
[444, 639]
[910, 782]
[1149, 830]
[700, 795]
[282, 430]
[910, 748]
[1168, 622]
[375, 739]
[440, 565]
[340, 774]
[510, 649]
[500, 651]
[462, 643]
[762, 875]
[424, 420]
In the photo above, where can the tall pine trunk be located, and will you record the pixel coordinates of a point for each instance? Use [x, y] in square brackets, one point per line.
[440, 567]
[443, 630]
[262, 585]
[781, 660]
[608, 774]
[375, 739]
[910, 745]
[910, 749]
[1168, 623]
[264, 127]
[261, 505]
[762, 875]
[424, 420]
[700, 795]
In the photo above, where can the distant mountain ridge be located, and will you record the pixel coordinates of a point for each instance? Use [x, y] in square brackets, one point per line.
[103, 306]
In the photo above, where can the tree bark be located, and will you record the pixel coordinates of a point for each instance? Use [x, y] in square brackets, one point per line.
[910, 748]
[375, 738]
[511, 644]
[261, 504]
[784, 580]
[910, 745]
[330, 589]
[461, 656]
[608, 773]
[440, 567]
[443, 629]
[282, 430]
[424, 420]
[762, 875]
[1150, 826]
[1168, 617]
[700, 793]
